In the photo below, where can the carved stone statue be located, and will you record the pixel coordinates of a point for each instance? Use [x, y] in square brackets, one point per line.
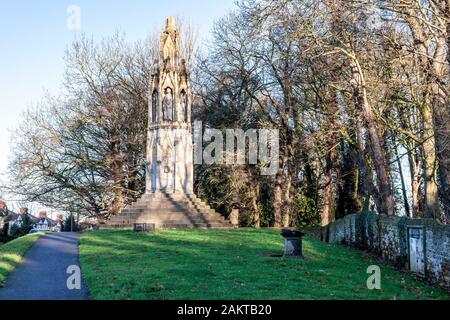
[167, 105]
[183, 106]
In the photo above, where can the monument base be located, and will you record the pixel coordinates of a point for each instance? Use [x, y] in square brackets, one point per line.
[169, 210]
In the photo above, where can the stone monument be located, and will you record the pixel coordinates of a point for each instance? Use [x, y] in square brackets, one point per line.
[169, 200]
[169, 145]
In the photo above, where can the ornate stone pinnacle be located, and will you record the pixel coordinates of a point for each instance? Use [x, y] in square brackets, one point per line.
[170, 23]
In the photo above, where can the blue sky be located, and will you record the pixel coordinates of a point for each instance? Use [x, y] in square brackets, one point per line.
[34, 36]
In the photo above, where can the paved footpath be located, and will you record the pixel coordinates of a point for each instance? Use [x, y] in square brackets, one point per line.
[42, 275]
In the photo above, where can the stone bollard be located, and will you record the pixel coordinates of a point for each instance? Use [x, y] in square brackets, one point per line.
[292, 243]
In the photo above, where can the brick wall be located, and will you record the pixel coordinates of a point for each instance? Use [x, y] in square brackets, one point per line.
[387, 237]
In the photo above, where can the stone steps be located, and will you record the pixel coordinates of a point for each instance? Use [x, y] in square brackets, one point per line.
[176, 215]
[166, 211]
[170, 211]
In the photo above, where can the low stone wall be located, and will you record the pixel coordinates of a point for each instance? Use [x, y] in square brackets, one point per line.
[387, 237]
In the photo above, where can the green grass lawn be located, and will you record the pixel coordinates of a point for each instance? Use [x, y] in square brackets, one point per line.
[231, 264]
[11, 253]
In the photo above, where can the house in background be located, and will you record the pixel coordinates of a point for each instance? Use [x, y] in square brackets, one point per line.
[17, 219]
[10, 219]
[44, 223]
[7, 218]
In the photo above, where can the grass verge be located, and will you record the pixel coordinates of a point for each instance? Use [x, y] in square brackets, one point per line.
[232, 264]
[11, 254]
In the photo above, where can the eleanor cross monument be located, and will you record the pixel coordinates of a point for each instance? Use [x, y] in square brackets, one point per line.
[169, 200]
[169, 145]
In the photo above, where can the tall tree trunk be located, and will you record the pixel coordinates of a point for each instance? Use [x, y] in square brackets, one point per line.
[356, 190]
[256, 213]
[350, 184]
[378, 154]
[255, 191]
[366, 175]
[287, 202]
[441, 115]
[414, 167]
[287, 164]
[328, 210]
[429, 161]
[328, 201]
[442, 131]
[441, 112]
[329, 205]
[277, 199]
